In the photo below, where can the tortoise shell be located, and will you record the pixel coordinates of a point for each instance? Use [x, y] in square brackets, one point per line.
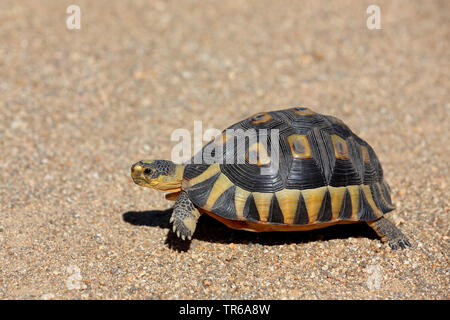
[325, 175]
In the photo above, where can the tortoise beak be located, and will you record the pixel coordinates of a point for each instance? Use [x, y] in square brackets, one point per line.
[137, 173]
[137, 168]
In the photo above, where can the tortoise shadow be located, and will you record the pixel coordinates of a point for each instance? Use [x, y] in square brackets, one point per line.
[211, 230]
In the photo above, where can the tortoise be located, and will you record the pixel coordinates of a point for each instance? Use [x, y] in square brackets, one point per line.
[297, 170]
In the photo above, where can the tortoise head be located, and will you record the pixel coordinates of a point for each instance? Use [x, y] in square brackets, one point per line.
[162, 175]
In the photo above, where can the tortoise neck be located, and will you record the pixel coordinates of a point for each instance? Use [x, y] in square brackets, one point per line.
[179, 171]
[170, 182]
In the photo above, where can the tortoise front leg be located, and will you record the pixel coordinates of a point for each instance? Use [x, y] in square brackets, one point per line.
[184, 217]
[390, 233]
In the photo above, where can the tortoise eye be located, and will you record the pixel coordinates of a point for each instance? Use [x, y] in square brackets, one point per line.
[147, 171]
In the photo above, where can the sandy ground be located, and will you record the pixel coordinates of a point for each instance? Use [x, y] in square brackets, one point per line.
[78, 107]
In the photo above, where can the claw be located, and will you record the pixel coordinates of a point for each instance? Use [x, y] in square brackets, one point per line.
[171, 219]
[178, 233]
[399, 244]
[183, 237]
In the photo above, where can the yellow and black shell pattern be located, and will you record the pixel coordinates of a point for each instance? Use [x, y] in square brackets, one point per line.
[326, 174]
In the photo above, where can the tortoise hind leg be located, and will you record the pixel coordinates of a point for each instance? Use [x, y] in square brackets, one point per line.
[390, 233]
[184, 217]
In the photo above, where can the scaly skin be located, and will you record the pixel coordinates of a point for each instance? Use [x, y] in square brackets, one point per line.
[389, 233]
[185, 216]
